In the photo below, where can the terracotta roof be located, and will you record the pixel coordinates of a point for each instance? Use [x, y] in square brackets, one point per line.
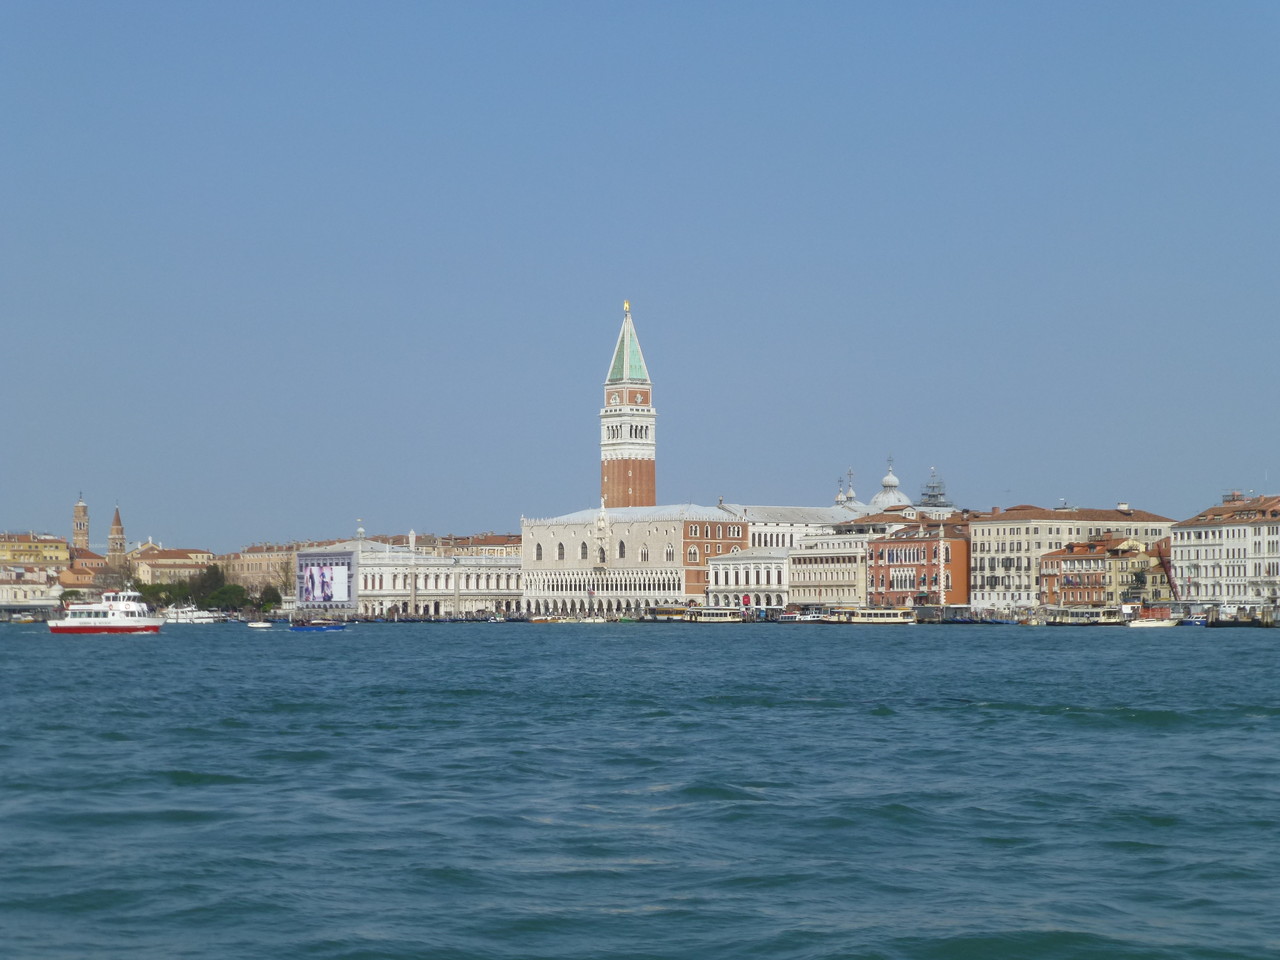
[1096, 548]
[1028, 512]
[1255, 509]
[951, 531]
[150, 554]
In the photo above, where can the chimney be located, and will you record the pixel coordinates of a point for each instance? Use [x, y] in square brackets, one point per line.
[995, 511]
[1122, 507]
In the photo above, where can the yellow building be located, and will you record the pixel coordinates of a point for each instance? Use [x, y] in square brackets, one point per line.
[34, 550]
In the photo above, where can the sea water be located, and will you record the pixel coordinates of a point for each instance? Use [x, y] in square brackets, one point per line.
[471, 791]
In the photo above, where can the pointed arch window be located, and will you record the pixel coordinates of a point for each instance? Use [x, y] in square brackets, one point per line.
[644, 554]
[600, 554]
[693, 553]
[622, 549]
[582, 550]
[559, 551]
[671, 554]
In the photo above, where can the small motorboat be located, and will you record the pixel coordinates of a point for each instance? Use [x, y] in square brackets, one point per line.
[318, 626]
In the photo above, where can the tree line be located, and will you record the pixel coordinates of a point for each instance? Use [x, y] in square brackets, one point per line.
[209, 590]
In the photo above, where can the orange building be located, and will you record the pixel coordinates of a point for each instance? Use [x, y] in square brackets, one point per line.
[926, 563]
[1103, 572]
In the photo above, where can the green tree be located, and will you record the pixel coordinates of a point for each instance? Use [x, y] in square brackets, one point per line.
[229, 596]
[270, 598]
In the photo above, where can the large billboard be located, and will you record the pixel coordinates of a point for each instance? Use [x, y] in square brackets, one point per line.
[326, 580]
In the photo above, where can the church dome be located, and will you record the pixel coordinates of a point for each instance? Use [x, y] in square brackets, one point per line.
[889, 495]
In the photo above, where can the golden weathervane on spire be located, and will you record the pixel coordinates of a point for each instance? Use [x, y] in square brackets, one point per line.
[626, 306]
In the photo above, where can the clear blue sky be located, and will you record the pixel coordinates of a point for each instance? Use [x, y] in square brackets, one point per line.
[269, 267]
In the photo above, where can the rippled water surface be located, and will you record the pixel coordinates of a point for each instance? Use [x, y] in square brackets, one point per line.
[634, 791]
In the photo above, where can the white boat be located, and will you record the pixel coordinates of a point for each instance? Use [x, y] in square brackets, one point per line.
[1153, 622]
[800, 618]
[192, 614]
[259, 624]
[870, 615]
[119, 611]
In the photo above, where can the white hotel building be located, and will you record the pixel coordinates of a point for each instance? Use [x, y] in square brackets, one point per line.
[1228, 556]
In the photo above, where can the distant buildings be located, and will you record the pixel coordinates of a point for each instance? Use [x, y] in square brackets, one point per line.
[630, 553]
[1007, 547]
[30, 564]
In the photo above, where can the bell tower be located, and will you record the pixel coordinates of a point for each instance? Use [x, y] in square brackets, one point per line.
[80, 525]
[116, 543]
[628, 448]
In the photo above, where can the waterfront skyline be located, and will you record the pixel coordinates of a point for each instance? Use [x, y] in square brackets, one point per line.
[270, 270]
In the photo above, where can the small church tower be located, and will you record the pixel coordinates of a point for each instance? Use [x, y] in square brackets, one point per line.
[80, 525]
[627, 443]
[116, 543]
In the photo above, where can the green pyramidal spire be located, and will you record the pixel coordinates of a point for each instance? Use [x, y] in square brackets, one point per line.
[628, 361]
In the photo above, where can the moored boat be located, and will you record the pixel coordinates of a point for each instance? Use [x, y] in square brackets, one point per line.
[666, 613]
[1153, 622]
[714, 615]
[190, 613]
[877, 615]
[119, 611]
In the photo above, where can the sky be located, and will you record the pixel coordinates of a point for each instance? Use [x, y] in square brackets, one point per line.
[271, 270]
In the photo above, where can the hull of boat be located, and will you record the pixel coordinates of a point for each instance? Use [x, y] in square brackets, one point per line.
[104, 628]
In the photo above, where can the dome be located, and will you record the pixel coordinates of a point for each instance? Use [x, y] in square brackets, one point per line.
[889, 495]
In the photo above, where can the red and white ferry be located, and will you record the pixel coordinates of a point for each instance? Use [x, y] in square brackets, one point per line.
[119, 611]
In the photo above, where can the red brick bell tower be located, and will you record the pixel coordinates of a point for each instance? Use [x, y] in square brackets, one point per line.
[627, 421]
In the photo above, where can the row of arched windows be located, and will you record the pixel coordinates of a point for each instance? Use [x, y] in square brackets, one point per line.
[621, 552]
[606, 584]
[441, 581]
[633, 431]
[739, 577]
[696, 530]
